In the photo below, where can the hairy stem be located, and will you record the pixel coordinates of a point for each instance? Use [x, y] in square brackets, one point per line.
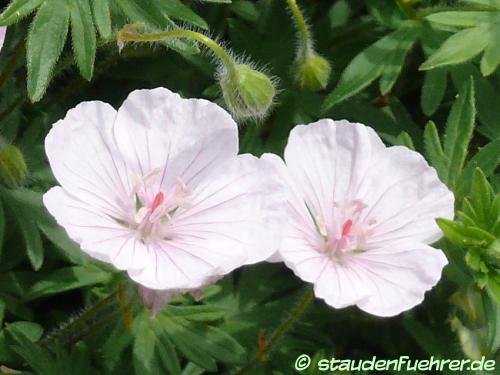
[131, 36]
[76, 324]
[306, 47]
[264, 352]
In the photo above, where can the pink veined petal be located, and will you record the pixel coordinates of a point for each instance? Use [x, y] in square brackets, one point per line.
[182, 138]
[235, 218]
[327, 160]
[98, 235]
[240, 205]
[84, 160]
[3, 31]
[299, 224]
[405, 196]
[398, 276]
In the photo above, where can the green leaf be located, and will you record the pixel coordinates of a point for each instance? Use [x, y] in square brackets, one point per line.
[208, 339]
[45, 43]
[459, 127]
[69, 278]
[434, 150]
[383, 58]
[70, 249]
[102, 17]
[464, 235]
[491, 57]
[494, 289]
[404, 139]
[246, 10]
[196, 313]
[487, 98]
[481, 198]
[461, 18]
[35, 356]
[168, 355]
[487, 159]
[176, 9]
[144, 347]
[152, 349]
[83, 37]
[17, 10]
[30, 330]
[24, 212]
[458, 48]
[386, 13]
[433, 90]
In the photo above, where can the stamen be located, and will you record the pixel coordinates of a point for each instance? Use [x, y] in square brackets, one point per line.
[346, 228]
[157, 201]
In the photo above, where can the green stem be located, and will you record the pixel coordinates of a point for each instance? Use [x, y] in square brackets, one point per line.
[227, 60]
[300, 21]
[265, 351]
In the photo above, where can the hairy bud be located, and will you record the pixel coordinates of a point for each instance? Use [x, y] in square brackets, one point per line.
[311, 73]
[247, 92]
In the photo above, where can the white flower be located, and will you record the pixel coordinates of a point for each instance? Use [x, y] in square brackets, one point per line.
[361, 216]
[157, 189]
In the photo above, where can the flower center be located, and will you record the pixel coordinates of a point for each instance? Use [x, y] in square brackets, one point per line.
[154, 206]
[348, 230]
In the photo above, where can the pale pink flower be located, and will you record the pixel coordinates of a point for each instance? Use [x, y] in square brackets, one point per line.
[361, 216]
[157, 189]
[3, 30]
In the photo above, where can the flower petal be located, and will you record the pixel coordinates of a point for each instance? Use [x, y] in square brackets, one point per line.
[327, 161]
[405, 196]
[398, 276]
[235, 218]
[98, 235]
[84, 160]
[183, 138]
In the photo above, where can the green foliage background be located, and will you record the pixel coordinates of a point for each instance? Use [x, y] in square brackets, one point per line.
[423, 74]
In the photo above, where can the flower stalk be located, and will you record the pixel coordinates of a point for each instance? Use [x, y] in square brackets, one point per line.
[305, 49]
[248, 93]
[310, 71]
[128, 34]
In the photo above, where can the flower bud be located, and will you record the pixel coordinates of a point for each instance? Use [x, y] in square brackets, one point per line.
[12, 166]
[311, 73]
[247, 92]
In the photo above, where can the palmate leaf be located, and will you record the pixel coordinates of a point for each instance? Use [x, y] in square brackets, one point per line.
[383, 59]
[49, 29]
[481, 33]
[189, 328]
